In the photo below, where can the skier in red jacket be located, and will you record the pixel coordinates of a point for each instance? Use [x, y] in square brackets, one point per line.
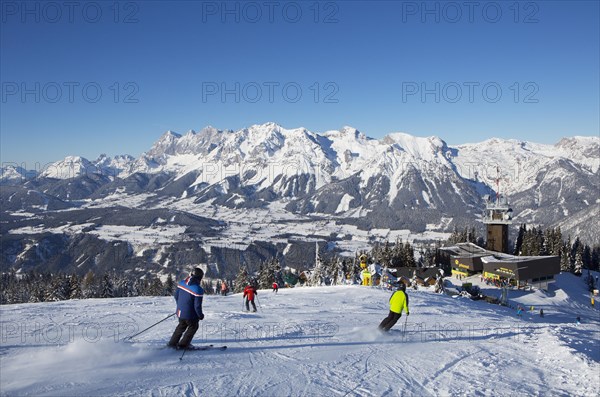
[249, 293]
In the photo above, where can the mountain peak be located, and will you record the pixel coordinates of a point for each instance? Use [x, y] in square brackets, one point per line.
[170, 134]
[268, 126]
[69, 167]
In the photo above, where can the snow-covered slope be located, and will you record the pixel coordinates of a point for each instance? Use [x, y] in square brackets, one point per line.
[319, 341]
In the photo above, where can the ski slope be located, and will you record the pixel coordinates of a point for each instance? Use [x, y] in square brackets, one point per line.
[320, 341]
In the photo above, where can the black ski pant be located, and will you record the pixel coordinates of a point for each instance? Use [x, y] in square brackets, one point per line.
[390, 321]
[248, 301]
[189, 327]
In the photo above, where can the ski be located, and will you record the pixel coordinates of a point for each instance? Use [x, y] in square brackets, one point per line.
[207, 347]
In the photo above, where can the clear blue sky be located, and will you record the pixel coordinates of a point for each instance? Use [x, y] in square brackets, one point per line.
[429, 68]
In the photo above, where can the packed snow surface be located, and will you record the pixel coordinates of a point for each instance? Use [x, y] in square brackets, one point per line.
[320, 341]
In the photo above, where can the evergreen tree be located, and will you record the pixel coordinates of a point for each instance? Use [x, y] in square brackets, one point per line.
[266, 273]
[547, 246]
[568, 248]
[408, 255]
[317, 275]
[565, 258]
[335, 271]
[472, 236]
[528, 243]
[106, 290]
[354, 269]
[595, 258]
[587, 257]
[88, 287]
[454, 236]
[38, 284]
[428, 257]
[278, 273]
[578, 265]
[557, 243]
[575, 247]
[140, 287]
[397, 258]
[7, 289]
[75, 287]
[156, 287]
[123, 286]
[241, 280]
[53, 294]
[386, 255]
[540, 245]
[170, 285]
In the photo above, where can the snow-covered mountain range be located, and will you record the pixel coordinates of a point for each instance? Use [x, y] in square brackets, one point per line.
[399, 182]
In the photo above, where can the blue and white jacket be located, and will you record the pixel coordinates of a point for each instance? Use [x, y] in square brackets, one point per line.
[189, 299]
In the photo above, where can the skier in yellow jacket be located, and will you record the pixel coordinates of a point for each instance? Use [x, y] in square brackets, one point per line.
[398, 302]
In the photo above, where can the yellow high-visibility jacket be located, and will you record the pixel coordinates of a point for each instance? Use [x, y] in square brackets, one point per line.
[399, 301]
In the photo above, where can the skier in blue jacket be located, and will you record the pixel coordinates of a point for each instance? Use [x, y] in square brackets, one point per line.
[188, 295]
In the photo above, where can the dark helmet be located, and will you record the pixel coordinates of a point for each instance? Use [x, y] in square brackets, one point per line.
[401, 286]
[197, 272]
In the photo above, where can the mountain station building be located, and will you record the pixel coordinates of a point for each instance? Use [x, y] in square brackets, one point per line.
[468, 259]
[464, 259]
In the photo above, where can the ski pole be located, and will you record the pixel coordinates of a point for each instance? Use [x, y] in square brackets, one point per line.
[182, 354]
[170, 315]
[258, 301]
[405, 321]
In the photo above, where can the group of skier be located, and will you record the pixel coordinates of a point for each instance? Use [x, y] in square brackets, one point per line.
[189, 295]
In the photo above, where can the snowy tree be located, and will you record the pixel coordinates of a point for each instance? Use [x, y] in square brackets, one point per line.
[6, 288]
[241, 280]
[386, 255]
[88, 286]
[140, 287]
[547, 244]
[156, 287]
[595, 258]
[123, 286]
[557, 243]
[396, 260]
[170, 285]
[75, 287]
[587, 257]
[408, 255]
[334, 271]
[37, 284]
[279, 274]
[539, 243]
[578, 265]
[565, 258]
[54, 293]
[106, 289]
[427, 258]
[317, 275]
[266, 273]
